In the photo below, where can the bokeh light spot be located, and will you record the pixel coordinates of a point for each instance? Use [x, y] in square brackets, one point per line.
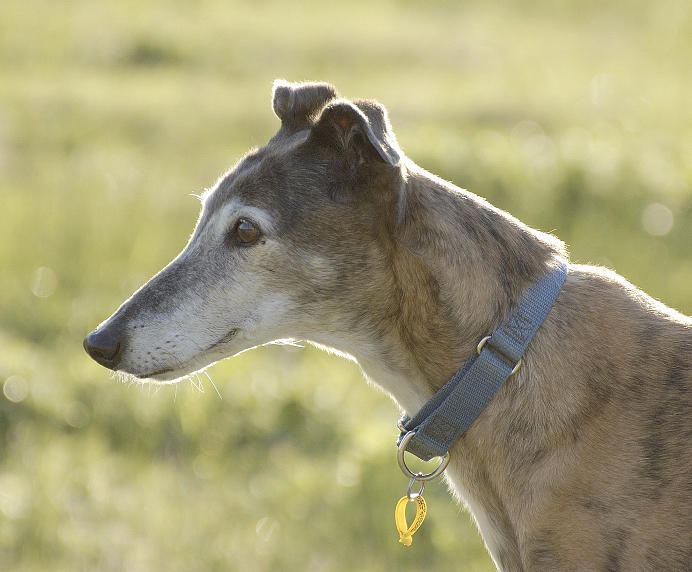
[14, 496]
[15, 389]
[657, 219]
[44, 282]
[348, 473]
[601, 89]
[267, 527]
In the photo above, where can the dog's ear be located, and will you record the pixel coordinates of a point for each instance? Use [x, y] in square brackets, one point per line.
[299, 104]
[361, 127]
[382, 130]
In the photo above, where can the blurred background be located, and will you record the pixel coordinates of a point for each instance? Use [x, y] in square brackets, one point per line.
[575, 116]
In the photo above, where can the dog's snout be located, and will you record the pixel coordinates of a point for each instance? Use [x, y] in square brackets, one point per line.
[104, 345]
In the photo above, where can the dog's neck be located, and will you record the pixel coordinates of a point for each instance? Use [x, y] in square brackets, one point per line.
[459, 265]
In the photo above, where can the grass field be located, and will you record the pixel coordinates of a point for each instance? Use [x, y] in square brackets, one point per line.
[574, 116]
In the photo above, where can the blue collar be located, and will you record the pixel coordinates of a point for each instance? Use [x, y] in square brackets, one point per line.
[451, 411]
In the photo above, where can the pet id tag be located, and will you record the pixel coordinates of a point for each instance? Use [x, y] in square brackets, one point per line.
[406, 532]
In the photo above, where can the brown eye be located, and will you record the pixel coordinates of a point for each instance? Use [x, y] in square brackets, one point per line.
[246, 231]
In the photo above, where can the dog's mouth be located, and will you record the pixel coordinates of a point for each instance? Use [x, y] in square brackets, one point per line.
[160, 374]
[155, 373]
[227, 338]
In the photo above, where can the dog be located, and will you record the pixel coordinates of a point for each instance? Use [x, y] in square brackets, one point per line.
[330, 234]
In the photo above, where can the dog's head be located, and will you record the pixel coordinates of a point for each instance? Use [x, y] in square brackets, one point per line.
[292, 243]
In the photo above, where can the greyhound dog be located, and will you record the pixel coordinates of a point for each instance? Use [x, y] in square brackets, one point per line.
[330, 234]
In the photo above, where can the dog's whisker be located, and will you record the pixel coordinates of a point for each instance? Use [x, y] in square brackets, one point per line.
[193, 383]
[287, 342]
[199, 383]
[213, 384]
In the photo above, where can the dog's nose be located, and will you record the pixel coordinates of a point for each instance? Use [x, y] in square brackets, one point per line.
[104, 346]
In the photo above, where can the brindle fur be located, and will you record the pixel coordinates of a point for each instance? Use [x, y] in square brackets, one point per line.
[582, 461]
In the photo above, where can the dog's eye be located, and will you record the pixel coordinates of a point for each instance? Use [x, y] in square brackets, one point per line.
[246, 232]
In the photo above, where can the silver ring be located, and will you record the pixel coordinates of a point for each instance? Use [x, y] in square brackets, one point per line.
[481, 344]
[408, 472]
[480, 347]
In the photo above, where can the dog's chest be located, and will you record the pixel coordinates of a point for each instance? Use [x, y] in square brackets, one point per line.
[498, 541]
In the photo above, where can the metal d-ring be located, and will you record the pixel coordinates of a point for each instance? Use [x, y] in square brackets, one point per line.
[408, 472]
[481, 345]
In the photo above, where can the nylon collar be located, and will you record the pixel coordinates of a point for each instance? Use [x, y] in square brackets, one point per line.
[451, 411]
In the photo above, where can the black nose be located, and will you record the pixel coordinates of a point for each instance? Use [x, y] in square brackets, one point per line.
[103, 344]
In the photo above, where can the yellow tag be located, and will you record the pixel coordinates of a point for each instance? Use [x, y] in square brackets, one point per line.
[406, 531]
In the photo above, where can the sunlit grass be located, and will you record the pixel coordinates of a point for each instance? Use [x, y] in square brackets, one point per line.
[575, 118]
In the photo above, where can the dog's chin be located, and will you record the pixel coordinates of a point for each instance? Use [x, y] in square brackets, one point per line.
[164, 376]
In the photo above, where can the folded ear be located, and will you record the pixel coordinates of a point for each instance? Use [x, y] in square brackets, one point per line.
[361, 127]
[299, 104]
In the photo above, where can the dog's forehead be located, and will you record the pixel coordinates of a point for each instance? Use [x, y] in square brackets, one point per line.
[259, 178]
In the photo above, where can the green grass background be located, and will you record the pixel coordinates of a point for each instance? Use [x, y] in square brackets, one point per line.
[575, 116]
